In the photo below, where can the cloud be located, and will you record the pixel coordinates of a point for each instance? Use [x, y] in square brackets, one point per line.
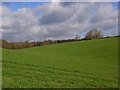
[105, 12]
[55, 17]
[58, 21]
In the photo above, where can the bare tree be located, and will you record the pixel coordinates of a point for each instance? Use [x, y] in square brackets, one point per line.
[77, 37]
[94, 34]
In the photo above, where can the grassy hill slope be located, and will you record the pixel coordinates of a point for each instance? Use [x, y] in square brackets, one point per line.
[92, 63]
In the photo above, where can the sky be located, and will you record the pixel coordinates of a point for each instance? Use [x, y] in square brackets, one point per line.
[25, 21]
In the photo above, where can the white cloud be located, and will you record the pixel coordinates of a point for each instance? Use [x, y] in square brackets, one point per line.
[58, 21]
[105, 12]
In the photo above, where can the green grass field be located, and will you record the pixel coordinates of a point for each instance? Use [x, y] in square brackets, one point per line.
[81, 64]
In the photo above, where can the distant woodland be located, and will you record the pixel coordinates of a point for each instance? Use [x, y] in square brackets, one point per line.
[93, 34]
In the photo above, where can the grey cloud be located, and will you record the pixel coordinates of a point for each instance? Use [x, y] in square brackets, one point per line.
[58, 21]
[68, 4]
[54, 17]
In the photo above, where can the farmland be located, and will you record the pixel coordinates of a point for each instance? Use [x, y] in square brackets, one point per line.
[80, 64]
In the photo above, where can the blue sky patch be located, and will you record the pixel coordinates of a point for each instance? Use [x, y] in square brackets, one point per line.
[17, 5]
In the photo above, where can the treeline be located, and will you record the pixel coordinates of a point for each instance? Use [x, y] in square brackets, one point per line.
[20, 45]
[93, 34]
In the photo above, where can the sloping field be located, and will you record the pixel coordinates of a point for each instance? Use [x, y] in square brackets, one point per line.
[82, 64]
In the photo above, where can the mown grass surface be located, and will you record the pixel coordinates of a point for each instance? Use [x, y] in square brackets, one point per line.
[82, 64]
